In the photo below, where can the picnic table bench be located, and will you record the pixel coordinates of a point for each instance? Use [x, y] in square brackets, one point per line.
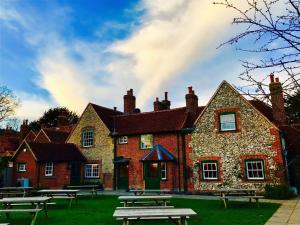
[14, 191]
[38, 204]
[226, 194]
[149, 191]
[60, 194]
[91, 188]
[179, 215]
[145, 200]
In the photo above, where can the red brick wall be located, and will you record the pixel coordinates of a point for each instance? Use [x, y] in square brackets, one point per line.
[132, 150]
[31, 167]
[61, 176]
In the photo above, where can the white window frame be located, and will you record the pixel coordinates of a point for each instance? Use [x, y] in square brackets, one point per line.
[262, 170]
[209, 163]
[220, 121]
[123, 140]
[164, 171]
[88, 138]
[93, 172]
[21, 167]
[49, 169]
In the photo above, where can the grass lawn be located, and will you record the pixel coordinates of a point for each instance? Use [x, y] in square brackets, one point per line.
[100, 210]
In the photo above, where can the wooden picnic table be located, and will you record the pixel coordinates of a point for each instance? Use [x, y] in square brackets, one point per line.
[145, 199]
[35, 202]
[69, 194]
[177, 215]
[92, 188]
[151, 191]
[250, 193]
[8, 191]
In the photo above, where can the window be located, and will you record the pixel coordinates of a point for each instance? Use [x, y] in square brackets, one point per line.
[255, 169]
[123, 140]
[146, 141]
[163, 170]
[87, 138]
[91, 170]
[227, 121]
[209, 170]
[49, 169]
[21, 167]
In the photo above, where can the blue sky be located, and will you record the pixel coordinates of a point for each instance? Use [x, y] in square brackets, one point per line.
[69, 53]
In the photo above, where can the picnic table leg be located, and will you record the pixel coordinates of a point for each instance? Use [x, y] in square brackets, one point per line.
[7, 206]
[34, 218]
[125, 221]
[183, 220]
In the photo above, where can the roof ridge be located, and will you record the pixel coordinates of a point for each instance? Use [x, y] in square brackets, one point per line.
[93, 104]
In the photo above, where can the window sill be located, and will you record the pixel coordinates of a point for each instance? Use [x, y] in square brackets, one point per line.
[22, 171]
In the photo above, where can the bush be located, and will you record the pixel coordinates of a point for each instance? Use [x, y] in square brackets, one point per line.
[279, 192]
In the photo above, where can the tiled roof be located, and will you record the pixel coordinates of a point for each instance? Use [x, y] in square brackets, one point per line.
[50, 152]
[30, 136]
[56, 136]
[154, 122]
[265, 109]
[158, 153]
[8, 145]
[106, 115]
[292, 138]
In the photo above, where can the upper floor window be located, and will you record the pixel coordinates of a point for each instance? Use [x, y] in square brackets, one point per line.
[163, 170]
[49, 169]
[123, 140]
[21, 167]
[227, 121]
[91, 171]
[209, 170]
[146, 141]
[88, 137]
[254, 169]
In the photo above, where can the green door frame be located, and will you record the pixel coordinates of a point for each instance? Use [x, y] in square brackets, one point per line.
[122, 181]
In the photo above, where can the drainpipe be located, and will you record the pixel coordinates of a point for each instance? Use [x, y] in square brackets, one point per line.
[284, 153]
[115, 169]
[178, 163]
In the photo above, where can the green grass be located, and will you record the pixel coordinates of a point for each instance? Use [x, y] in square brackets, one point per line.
[100, 210]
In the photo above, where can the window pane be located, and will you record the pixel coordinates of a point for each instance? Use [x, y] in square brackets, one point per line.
[227, 122]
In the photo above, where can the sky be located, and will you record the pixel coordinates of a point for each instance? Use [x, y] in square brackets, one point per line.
[72, 52]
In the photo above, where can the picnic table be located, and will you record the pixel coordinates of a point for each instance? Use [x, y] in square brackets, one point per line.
[179, 215]
[145, 200]
[92, 188]
[37, 203]
[14, 191]
[69, 194]
[151, 191]
[233, 193]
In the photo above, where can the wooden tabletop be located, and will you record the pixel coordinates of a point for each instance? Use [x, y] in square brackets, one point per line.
[127, 213]
[25, 199]
[83, 186]
[58, 191]
[15, 188]
[138, 197]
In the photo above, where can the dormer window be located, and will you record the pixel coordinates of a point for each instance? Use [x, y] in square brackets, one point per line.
[227, 121]
[123, 140]
[88, 137]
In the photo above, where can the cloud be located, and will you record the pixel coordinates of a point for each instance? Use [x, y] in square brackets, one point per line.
[170, 37]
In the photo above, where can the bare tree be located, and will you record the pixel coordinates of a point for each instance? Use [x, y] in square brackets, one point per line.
[8, 103]
[271, 31]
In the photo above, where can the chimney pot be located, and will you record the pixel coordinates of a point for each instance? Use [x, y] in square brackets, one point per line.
[272, 78]
[166, 95]
[190, 90]
[277, 79]
[115, 108]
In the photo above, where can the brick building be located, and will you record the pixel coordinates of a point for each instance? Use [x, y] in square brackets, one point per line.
[48, 165]
[237, 143]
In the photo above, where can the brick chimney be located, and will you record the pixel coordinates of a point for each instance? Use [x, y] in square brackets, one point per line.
[8, 132]
[62, 119]
[24, 130]
[157, 105]
[191, 101]
[166, 103]
[129, 102]
[277, 101]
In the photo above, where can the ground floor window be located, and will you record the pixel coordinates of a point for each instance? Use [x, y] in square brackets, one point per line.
[209, 170]
[49, 169]
[91, 171]
[254, 169]
[21, 167]
[164, 170]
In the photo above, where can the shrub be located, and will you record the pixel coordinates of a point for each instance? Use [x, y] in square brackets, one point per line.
[279, 192]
